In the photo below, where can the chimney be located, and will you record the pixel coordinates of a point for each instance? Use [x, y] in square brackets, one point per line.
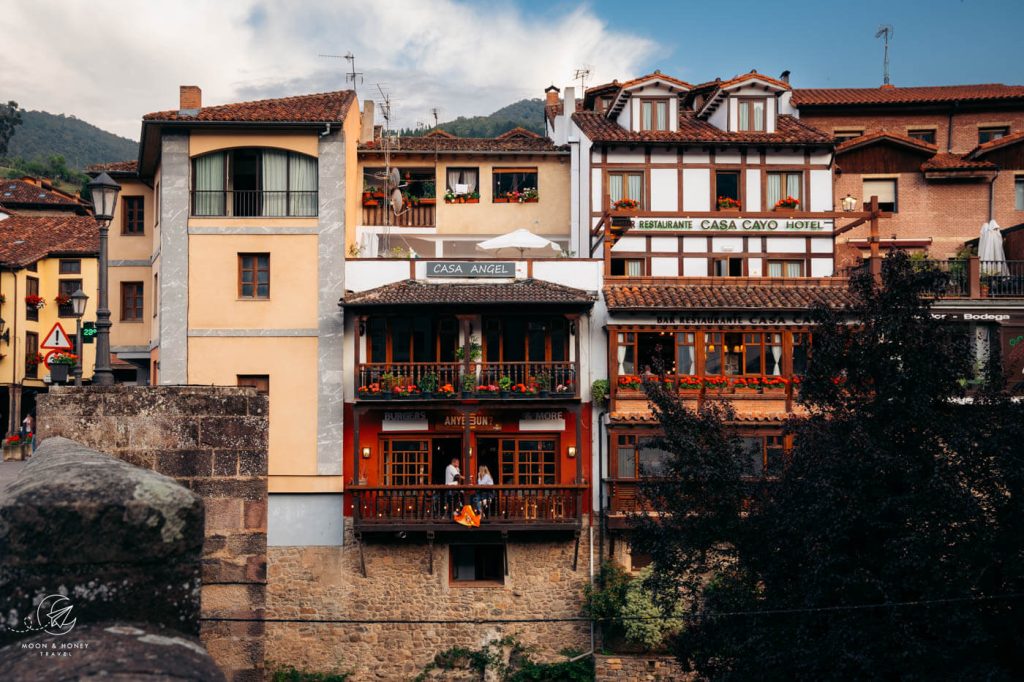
[190, 99]
[784, 76]
[569, 104]
[551, 93]
[366, 123]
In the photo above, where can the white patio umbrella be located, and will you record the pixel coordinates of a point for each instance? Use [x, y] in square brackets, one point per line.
[990, 250]
[526, 242]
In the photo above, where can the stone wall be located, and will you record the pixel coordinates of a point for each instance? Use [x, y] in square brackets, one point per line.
[326, 583]
[213, 441]
[638, 668]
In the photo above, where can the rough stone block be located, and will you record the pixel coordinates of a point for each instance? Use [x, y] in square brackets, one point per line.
[184, 463]
[225, 463]
[224, 514]
[239, 433]
[252, 462]
[255, 512]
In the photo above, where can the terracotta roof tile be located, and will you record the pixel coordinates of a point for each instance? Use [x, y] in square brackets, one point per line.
[879, 135]
[808, 97]
[789, 131]
[519, 133]
[15, 193]
[114, 167]
[657, 75]
[985, 147]
[954, 162]
[723, 296]
[512, 141]
[325, 107]
[524, 291]
[26, 238]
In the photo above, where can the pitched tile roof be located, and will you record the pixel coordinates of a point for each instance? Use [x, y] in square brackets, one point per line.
[955, 162]
[26, 238]
[723, 296]
[789, 131]
[985, 147]
[516, 140]
[881, 135]
[324, 107]
[114, 167]
[657, 75]
[523, 291]
[808, 97]
[14, 193]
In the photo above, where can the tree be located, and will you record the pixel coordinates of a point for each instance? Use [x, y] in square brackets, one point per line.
[10, 117]
[893, 544]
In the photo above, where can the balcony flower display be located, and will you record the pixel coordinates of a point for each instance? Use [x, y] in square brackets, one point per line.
[452, 197]
[371, 391]
[487, 389]
[407, 391]
[626, 205]
[524, 389]
[64, 358]
[629, 382]
[728, 204]
[62, 299]
[527, 195]
[34, 301]
[504, 385]
[787, 203]
[564, 388]
[446, 390]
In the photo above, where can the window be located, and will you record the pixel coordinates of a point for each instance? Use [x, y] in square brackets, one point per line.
[254, 275]
[727, 189]
[785, 268]
[625, 185]
[412, 338]
[406, 461]
[728, 267]
[131, 301]
[743, 353]
[1018, 193]
[751, 114]
[990, 133]
[923, 134]
[628, 267]
[654, 114]
[885, 190]
[477, 564]
[764, 456]
[844, 135]
[463, 182]
[31, 354]
[31, 289]
[639, 457]
[527, 461]
[70, 267]
[514, 185]
[520, 340]
[66, 287]
[801, 352]
[133, 215]
[417, 183]
[254, 182]
[261, 382]
[782, 185]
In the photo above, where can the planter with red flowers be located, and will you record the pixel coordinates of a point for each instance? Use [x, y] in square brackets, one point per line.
[34, 301]
[787, 204]
[60, 365]
[728, 205]
[626, 205]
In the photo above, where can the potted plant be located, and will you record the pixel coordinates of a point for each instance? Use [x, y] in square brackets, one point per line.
[387, 385]
[34, 301]
[787, 203]
[446, 391]
[599, 391]
[487, 390]
[564, 389]
[370, 392]
[504, 385]
[629, 382]
[475, 350]
[428, 384]
[60, 364]
[524, 391]
[626, 205]
[473, 198]
[468, 385]
[728, 204]
[543, 380]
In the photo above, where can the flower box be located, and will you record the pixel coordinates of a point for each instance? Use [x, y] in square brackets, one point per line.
[58, 373]
[424, 201]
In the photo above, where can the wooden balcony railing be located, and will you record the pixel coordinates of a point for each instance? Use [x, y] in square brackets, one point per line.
[501, 506]
[417, 215]
[447, 380]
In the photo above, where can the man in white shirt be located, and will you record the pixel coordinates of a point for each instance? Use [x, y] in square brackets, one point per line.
[451, 473]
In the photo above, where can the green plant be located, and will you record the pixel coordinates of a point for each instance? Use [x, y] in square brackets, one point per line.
[504, 383]
[290, 674]
[599, 391]
[428, 382]
[475, 351]
[468, 383]
[388, 381]
[543, 380]
[643, 621]
[604, 600]
[428, 190]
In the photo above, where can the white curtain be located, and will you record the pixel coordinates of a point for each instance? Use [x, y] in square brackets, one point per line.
[662, 121]
[453, 178]
[209, 185]
[614, 188]
[469, 177]
[646, 109]
[275, 183]
[777, 354]
[302, 181]
[635, 186]
[793, 182]
[633, 268]
[775, 269]
[744, 116]
[758, 111]
[621, 352]
[794, 269]
[774, 189]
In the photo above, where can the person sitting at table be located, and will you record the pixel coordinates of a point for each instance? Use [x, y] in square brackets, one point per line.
[452, 476]
[482, 500]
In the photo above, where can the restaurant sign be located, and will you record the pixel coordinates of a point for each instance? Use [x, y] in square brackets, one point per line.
[725, 318]
[456, 421]
[777, 225]
[471, 269]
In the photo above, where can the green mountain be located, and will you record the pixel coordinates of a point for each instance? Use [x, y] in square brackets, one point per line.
[42, 135]
[526, 113]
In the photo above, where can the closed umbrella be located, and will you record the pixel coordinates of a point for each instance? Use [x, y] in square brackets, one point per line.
[526, 242]
[990, 250]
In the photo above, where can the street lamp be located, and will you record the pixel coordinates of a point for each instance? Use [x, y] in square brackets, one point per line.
[104, 193]
[78, 301]
[849, 203]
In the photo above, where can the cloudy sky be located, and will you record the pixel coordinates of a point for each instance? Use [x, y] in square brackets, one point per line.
[108, 62]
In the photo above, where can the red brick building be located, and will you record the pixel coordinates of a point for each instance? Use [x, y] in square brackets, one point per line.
[944, 159]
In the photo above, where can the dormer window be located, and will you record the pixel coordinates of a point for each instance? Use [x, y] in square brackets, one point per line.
[751, 114]
[654, 114]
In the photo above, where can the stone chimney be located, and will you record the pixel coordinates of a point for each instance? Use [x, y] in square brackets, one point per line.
[551, 93]
[190, 99]
[366, 123]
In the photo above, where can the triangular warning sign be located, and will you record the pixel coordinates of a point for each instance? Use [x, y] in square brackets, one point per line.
[57, 339]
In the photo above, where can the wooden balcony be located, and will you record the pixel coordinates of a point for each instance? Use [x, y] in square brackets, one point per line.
[432, 507]
[418, 215]
[380, 381]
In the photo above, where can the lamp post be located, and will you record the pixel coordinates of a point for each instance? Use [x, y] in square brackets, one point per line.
[78, 301]
[849, 203]
[104, 193]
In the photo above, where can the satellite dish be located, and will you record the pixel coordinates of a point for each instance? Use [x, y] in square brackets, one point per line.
[396, 178]
[396, 200]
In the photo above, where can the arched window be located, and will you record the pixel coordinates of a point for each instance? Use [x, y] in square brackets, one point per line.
[254, 182]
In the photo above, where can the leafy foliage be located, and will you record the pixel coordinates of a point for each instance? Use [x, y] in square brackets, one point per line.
[889, 544]
[43, 135]
[290, 674]
[10, 117]
[623, 607]
[645, 624]
[605, 599]
[508, 660]
[526, 113]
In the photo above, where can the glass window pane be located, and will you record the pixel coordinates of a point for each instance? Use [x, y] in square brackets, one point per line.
[687, 361]
[727, 185]
[652, 459]
[713, 353]
[615, 182]
[733, 357]
[794, 268]
[758, 114]
[627, 461]
[753, 354]
[774, 269]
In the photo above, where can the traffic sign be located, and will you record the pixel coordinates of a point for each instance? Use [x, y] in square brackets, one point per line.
[57, 339]
[88, 332]
[49, 356]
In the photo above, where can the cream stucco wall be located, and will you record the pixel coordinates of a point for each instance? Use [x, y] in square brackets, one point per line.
[203, 141]
[213, 282]
[137, 249]
[132, 247]
[130, 333]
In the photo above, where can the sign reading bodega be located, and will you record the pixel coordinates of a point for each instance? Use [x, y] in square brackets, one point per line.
[470, 269]
[732, 224]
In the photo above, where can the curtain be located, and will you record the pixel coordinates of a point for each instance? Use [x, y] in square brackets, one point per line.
[469, 177]
[621, 352]
[687, 360]
[302, 181]
[274, 183]
[777, 355]
[662, 122]
[744, 116]
[793, 182]
[775, 269]
[794, 269]
[645, 108]
[209, 185]
[635, 188]
[758, 110]
[453, 178]
[614, 188]
[633, 268]
[774, 190]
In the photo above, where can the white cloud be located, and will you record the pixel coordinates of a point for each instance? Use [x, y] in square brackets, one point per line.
[466, 59]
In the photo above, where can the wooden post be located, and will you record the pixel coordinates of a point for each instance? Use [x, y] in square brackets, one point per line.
[974, 277]
[356, 450]
[874, 242]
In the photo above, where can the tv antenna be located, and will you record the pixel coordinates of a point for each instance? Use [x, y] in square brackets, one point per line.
[436, 113]
[354, 77]
[582, 74]
[886, 31]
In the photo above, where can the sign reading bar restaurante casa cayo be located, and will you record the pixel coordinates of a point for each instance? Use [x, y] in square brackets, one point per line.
[733, 224]
[471, 269]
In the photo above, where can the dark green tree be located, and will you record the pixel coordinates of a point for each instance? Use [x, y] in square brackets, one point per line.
[10, 116]
[892, 547]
